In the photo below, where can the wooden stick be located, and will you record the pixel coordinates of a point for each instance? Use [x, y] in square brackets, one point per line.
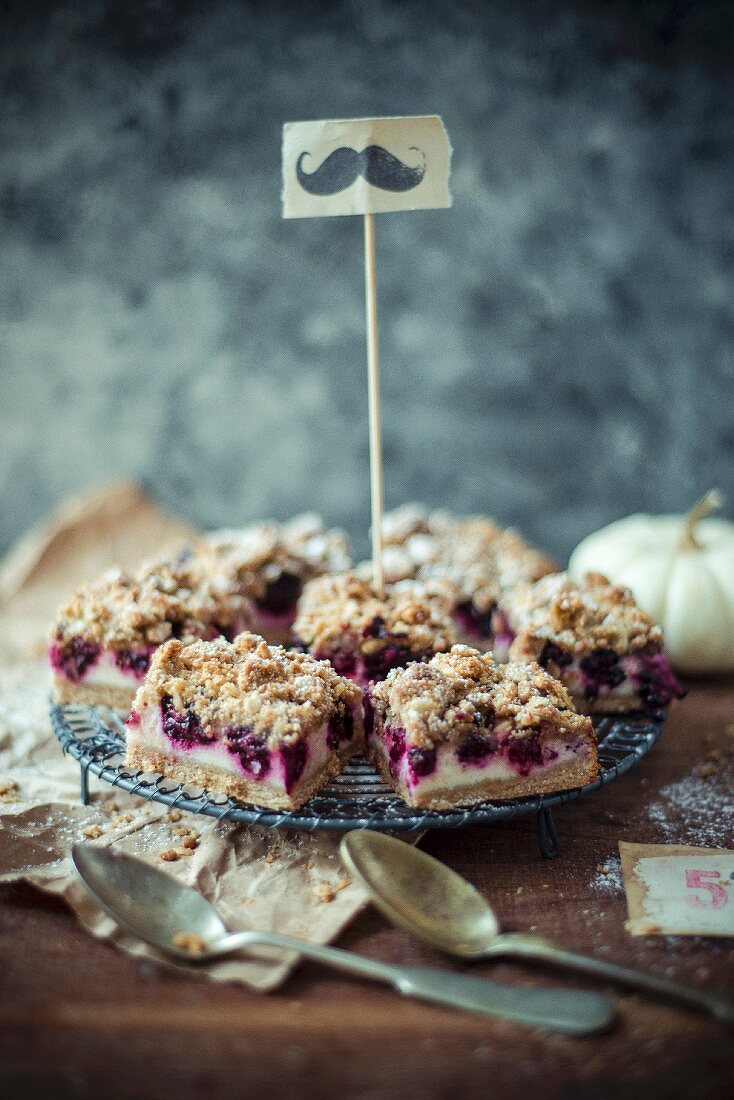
[373, 380]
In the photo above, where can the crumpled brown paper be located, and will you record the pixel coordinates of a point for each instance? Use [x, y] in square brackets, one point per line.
[277, 880]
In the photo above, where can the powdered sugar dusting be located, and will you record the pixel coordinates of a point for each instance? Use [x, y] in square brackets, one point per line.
[608, 877]
[699, 809]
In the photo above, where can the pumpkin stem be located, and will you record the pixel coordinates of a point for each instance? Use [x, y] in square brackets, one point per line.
[712, 501]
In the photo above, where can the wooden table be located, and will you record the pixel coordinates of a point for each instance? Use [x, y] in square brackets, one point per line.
[79, 1019]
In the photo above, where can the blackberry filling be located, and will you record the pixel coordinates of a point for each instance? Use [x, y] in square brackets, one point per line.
[553, 654]
[376, 628]
[377, 665]
[656, 684]
[75, 658]
[473, 620]
[526, 754]
[422, 762]
[182, 728]
[601, 669]
[281, 595]
[344, 662]
[395, 741]
[249, 748]
[341, 727]
[476, 747]
[133, 660]
[294, 761]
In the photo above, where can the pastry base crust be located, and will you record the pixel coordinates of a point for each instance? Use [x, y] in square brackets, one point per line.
[254, 792]
[565, 777]
[94, 695]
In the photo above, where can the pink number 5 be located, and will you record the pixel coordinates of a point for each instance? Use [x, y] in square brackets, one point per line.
[695, 880]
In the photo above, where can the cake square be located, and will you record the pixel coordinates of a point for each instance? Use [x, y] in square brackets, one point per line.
[271, 562]
[340, 619]
[260, 723]
[463, 729]
[105, 635]
[592, 635]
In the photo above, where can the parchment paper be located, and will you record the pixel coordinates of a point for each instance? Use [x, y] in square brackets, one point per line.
[256, 877]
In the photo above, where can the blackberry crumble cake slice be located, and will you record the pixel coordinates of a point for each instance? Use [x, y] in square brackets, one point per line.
[592, 635]
[259, 723]
[462, 729]
[272, 562]
[340, 619]
[471, 553]
[105, 635]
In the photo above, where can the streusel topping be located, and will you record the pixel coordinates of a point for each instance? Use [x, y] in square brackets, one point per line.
[472, 553]
[276, 692]
[261, 553]
[344, 608]
[158, 601]
[462, 691]
[578, 616]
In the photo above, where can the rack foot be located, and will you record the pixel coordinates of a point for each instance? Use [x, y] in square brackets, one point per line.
[547, 836]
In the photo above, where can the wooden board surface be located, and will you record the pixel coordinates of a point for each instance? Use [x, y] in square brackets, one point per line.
[79, 1019]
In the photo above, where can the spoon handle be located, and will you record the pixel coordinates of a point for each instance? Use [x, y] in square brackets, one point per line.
[574, 1011]
[719, 1005]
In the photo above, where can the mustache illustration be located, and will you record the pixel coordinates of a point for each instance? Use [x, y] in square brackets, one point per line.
[342, 167]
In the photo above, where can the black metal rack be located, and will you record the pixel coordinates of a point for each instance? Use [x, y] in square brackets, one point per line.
[357, 799]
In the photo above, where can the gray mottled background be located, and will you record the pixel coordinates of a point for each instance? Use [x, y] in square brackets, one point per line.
[557, 349]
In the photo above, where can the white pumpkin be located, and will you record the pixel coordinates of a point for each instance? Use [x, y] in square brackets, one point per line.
[681, 571]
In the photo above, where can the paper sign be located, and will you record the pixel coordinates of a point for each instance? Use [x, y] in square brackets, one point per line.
[365, 166]
[676, 890]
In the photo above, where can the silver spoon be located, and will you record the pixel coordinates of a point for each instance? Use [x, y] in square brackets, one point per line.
[416, 892]
[158, 910]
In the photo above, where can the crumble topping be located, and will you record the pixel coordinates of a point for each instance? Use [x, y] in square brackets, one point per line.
[277, 693]
[157, 601]
[343, 609]
[578, 616]
[471, 553]
[262, 552]
[462, 691]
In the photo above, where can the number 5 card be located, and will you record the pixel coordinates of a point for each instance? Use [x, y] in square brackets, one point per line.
[680, 891]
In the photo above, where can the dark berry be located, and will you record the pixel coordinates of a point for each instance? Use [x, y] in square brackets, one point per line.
[525, 753]
[394, 738]
[476, 747]
[553, 654]
[181, 728]
[249, 748]
[344, 662]
[376, 628]
[601, 669]
[74, 658]
[473, 620]
[422, 761]
[133, 660]
[341, 727]
[281, 594]
[294, 758]
[377, 665]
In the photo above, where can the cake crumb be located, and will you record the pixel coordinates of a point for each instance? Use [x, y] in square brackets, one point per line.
[170, 855]
[325, 892]
[184, 852]
[8, 791]
[174, 815]
[191, 842]
[124, 819]
[190, 942]
[93, 831]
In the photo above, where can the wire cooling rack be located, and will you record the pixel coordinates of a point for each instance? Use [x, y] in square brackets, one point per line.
[356, 799]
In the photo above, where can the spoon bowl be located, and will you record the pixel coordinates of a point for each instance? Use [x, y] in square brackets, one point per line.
[421, 895]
